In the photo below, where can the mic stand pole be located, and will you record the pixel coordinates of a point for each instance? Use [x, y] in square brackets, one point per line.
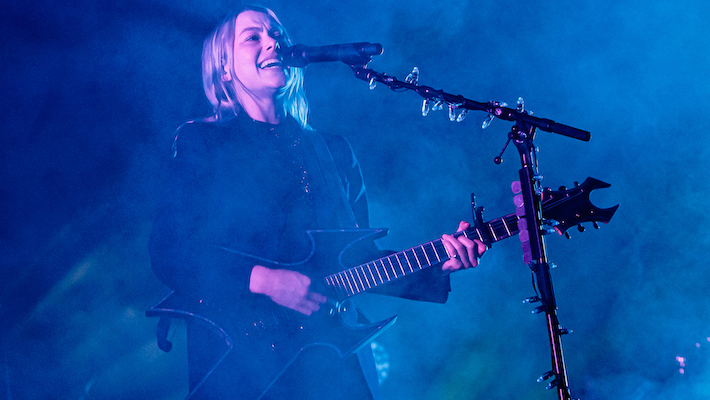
[534, 253]
[532, 230]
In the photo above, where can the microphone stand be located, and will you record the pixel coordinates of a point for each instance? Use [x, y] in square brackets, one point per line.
[533, 226]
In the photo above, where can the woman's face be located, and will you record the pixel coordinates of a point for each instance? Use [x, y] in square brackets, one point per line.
[257, 65]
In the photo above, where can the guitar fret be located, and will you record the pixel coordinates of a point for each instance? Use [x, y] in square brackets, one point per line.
[496, 226]
[438, 259]
[441, 249]
[358, 275]
[346, 283]
[329, 282]
[385, 269]
[393, 265]
[417, 257]
[351, 281]
[493, 232]
[369, 286]
[341, 282]
[374, 282]
[362, 285]
[356, 279]
[425, 255]
[333, 281]
[341, 290]
[505, 225]
[502, 224]
[378, 271]
[409, 263]
[342, 287]
[400, 263]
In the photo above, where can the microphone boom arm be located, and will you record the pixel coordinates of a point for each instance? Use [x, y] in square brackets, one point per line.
[492, 108]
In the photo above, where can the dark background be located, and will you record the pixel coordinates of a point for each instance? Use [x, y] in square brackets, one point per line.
[92, 92]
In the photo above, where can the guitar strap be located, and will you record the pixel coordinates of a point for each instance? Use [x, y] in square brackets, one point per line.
[333, 181]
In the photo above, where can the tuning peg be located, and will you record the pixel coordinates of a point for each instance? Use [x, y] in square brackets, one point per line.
[539, 309]
[553, 384]
[565, 331]
[581, 228]
[594, 223]
[532, 299]
[547, 375]
[567, 235]
[562, 188]
[548, 226]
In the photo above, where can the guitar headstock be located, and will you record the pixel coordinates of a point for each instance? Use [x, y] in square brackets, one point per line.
[572, 207]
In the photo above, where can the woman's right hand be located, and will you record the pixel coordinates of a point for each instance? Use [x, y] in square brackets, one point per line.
[287, 288]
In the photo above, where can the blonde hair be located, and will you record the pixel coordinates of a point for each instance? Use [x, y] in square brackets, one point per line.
[218, 54]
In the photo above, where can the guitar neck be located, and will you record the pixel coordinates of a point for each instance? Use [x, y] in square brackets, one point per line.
[375, 273]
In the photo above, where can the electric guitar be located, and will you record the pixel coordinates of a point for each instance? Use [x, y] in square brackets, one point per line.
[274, 336]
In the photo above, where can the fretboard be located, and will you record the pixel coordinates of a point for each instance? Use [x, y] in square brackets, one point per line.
[370, 275]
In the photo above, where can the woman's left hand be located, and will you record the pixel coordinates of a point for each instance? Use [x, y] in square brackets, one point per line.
[464, 252]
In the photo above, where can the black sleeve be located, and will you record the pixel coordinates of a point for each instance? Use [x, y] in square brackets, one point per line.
[182, 254]
[430, 284]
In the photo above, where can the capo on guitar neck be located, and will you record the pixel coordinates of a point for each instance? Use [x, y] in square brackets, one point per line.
[477, 213]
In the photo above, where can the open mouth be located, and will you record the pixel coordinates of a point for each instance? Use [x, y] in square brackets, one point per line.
[271, 63]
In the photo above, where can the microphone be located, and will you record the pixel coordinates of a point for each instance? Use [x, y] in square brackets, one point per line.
[349, 53]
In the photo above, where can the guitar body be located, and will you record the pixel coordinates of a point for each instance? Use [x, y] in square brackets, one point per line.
[259, 346]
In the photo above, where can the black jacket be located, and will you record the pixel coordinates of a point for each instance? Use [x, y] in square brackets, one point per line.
[240, 193]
